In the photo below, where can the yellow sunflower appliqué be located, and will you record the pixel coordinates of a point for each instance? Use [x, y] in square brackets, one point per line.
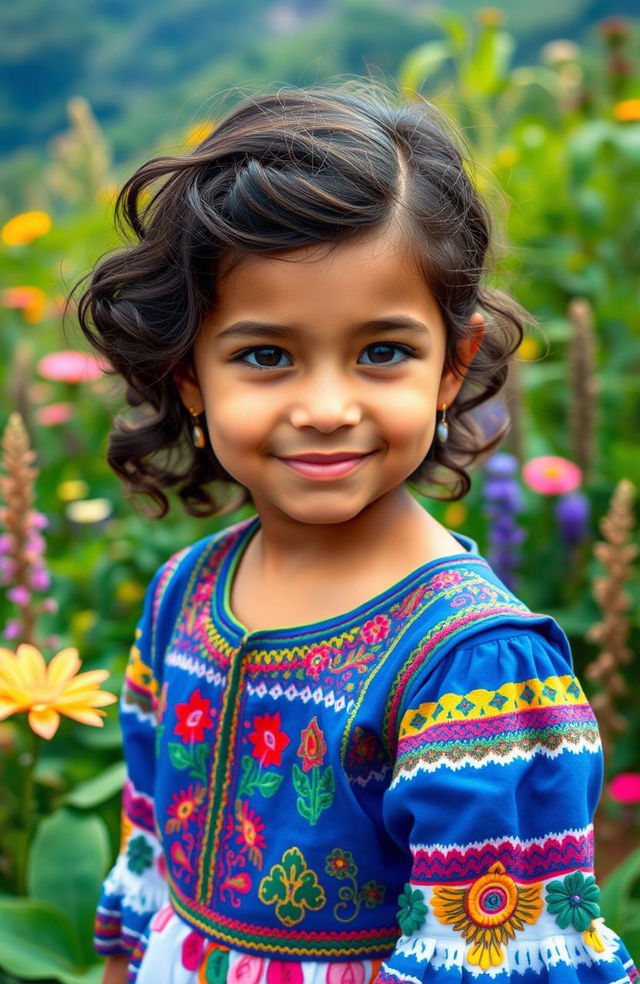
[488, 913]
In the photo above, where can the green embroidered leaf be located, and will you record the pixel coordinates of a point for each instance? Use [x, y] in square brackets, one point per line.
[269, 783]
[199, 764]
[327, 789]
[305, 810]
[301, 781]
[179, 755]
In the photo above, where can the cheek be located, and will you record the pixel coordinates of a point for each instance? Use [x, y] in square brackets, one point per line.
[237, 420]
[409, 418]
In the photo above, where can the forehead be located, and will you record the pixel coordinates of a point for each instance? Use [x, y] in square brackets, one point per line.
[358, 277]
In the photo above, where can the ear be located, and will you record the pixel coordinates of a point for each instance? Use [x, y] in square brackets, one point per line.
[188, 387]
[450, 381]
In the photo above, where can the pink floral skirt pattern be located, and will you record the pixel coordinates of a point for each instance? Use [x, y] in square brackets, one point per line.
[173, 953]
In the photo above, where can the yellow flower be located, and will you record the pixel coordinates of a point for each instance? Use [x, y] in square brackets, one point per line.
[627, 111]
[490, 17]
[592, 937]
[26, 227]
[455, 515]
[27, 683]
[196, 134]
[528, 349]
[130, 592]
[30, 300]
[72, 489]
[507, 157]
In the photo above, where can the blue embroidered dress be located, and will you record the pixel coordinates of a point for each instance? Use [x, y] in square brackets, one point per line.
[402, 793]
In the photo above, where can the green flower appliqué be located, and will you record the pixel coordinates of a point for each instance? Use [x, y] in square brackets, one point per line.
[292, 888]
[139, 855]
[574, 901]
[412, 911]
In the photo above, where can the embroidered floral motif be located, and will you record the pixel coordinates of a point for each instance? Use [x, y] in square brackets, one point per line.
[182, 807]
[313, 747]
[376, 629]
[284, 972]
[292, 887]
[194, 717]
[214, 966]
[139, 854]
[181, 856]
[268, 740]
[488, 913]
[365, 756]
[191, 951]
[412, 911]
[250, 829]
[574, 901]
[315, 787]
[246, 970]
[316, 660]
[340, 864]
[346, 973]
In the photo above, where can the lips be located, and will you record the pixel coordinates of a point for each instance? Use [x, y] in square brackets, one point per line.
[327, 459]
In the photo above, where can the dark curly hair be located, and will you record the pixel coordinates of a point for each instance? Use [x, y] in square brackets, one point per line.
[285, 169]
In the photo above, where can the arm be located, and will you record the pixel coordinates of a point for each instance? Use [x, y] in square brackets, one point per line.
[135, 888]
[497, 776]
[115, 969]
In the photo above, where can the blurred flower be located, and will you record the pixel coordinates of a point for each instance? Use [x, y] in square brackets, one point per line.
[507, 157]
[572, 513]
[529, 349]
[197, 133]
[130, 592]
[557, 52]
[551, 475]
[73, 488]
[83, 622]
[490, 16]
[455, 515]
[68, 366]
[614, 28]
[54, 414]
[30, 300]
[88, 510]
[27, 683]
[12, 628]
[625, 788]
[19, 596]
[24, 228]
[627, 111]
[503, 501]
[620, 67]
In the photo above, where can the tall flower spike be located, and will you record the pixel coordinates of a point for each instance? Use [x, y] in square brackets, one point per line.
[616, 553]
[584, 384]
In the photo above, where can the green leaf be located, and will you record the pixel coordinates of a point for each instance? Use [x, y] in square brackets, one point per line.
[617, 891]
[102, 787]
[304, 809]
[179, 755]
[421, 63]
[69, 855]
[327, 789]
[301, 781]
[269, 783]
[37, 941]
[486, 72]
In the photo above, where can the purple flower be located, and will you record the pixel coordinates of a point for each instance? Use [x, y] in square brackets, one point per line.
[572, 513]
[503, 501]
[19, 595]
[6, 543]
[40, 579]
[12, 629]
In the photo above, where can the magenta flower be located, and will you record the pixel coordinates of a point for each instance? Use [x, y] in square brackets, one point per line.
[69, 366]
[54, 414]
[551, 475]
[625, 788]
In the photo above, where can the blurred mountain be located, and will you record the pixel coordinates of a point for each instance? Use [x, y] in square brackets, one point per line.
[151, 67]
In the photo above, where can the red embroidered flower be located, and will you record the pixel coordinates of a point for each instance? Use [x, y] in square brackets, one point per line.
[376, 629]
[250, 834]
[182, 807]
[445, 580]
[268, 740]
[193, 717]
[313, 747]
[317, 659]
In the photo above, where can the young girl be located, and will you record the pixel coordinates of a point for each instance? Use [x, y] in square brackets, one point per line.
[353, 755]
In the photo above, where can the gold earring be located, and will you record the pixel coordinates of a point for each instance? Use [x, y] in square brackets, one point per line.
[442, 430]
[197, 433]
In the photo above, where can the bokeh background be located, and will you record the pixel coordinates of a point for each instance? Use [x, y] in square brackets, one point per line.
[547, 96]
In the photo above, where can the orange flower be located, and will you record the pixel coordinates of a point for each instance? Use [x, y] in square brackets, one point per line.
[30, 300]
[24, 228]
[27, 683]
[627, 111]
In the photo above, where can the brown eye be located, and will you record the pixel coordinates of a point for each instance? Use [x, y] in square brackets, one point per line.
[381, 353]
[267, 357]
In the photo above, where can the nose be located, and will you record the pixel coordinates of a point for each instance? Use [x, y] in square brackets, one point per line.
[326, 403]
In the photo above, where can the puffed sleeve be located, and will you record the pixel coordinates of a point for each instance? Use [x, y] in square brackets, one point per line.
[135, 888]
[497, 775]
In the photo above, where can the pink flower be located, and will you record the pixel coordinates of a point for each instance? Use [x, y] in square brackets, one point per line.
[54, 414]
[625, 788]
[551, 475]
[246, 970]
[376, 629]
[69, 366]
[19, 595]
[317, 659]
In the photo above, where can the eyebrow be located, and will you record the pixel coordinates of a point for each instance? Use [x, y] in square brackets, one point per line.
[263, 329]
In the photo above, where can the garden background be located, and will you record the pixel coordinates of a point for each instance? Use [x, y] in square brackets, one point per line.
[548, 98]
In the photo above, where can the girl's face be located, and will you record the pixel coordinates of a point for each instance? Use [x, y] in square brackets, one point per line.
[326, 353]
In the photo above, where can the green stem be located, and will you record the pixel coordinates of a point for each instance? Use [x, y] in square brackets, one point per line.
[26, 818]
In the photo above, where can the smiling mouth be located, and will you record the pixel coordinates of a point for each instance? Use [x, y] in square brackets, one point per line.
[326, 467]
